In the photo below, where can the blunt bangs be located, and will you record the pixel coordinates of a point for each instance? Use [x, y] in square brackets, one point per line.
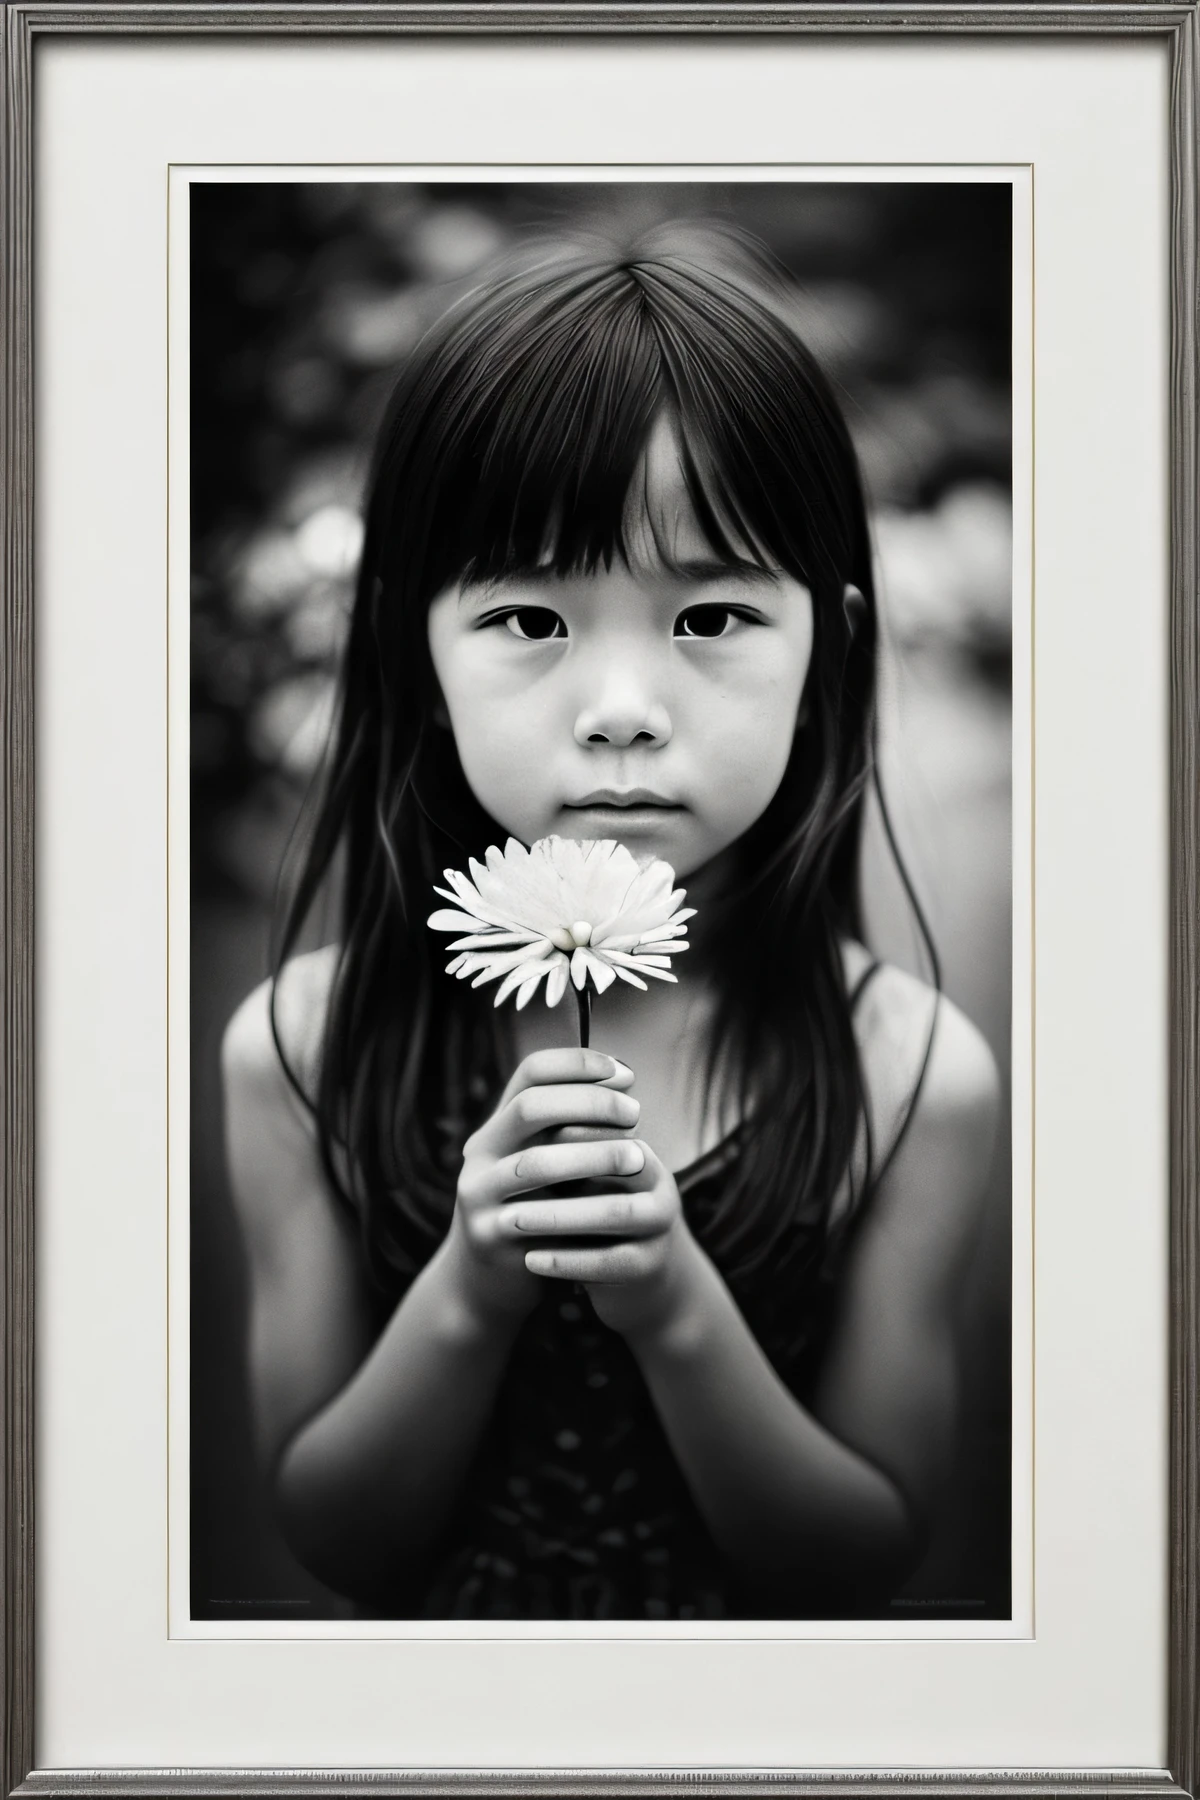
[534, 408]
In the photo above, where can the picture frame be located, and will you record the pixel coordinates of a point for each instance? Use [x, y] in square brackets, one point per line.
[26, 26]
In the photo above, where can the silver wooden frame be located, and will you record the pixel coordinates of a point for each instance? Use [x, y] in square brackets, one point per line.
[26, 21]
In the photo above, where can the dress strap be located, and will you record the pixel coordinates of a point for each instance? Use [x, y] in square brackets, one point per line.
[872, 969]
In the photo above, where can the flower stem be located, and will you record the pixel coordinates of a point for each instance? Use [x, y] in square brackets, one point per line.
[583, 999]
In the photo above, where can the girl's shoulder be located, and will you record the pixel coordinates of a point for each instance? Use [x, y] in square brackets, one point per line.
[276, 1181]
[249, 1051]
[924, 1063]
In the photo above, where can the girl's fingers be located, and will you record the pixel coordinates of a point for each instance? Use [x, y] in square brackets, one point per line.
[653, 1172]
[533, 1110]
[584, 1134]
[629, 1261]
[588, 1215]
[545, 1067]
[546, 1165]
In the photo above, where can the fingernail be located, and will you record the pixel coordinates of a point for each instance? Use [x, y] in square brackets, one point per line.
[620, 1068]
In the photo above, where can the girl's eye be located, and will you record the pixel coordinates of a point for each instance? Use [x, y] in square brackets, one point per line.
[534, 622]
[707, 621]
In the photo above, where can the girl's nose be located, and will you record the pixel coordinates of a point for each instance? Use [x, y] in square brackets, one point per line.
[622, 713]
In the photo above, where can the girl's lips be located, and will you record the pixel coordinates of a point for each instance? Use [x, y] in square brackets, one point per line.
[616, 819]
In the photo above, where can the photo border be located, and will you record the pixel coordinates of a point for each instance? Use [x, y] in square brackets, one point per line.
[910, 1626]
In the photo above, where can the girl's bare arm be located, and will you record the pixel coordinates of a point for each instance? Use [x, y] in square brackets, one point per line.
[366, 1441]
[837, 1498]
[336, 1414]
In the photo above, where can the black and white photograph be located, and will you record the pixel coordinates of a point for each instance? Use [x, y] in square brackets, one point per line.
[602, 902]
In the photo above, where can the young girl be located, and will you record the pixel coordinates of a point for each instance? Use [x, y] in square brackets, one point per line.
[661, 1328]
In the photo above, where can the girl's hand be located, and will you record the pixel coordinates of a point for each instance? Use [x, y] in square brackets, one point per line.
[570, 1092]
[640, 1280]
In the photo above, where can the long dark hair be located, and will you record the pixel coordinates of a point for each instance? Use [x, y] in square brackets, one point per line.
[514, 435]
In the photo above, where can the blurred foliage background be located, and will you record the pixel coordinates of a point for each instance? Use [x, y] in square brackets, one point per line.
[305, 298]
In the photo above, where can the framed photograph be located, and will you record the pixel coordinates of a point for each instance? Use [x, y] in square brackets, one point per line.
[546, 1531]
[603, 604]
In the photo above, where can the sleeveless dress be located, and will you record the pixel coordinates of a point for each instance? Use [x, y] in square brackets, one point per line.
[574, 1507]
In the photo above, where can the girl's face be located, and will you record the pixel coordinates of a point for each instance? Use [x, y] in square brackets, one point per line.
[634, 703]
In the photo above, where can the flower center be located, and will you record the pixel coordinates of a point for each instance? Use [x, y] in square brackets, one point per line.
[571, 937]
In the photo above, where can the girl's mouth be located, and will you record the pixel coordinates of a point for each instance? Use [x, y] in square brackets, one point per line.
[633, 796]
[615, 817]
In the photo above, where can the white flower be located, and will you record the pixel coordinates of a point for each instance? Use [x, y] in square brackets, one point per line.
[563, 908]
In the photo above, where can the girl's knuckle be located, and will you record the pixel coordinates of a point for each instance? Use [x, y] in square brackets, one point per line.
[620, 1159]
[493, 1228]
[524, 1167]
[480, 1231]
[469, 1185]
[526, 1106]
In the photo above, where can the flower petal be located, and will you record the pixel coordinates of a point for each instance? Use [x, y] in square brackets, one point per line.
[473, 902]
[467, 963]
[521, 977]
[556, 981]
[628, 960]
[520, 886]
[498, 938]
[645, 903]
[647, 965]
[597, 873]
[454, 921]
[512, 980]
[602, 973]
[537, 951]
[528, 989]
[504, 960]
[602, 941]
